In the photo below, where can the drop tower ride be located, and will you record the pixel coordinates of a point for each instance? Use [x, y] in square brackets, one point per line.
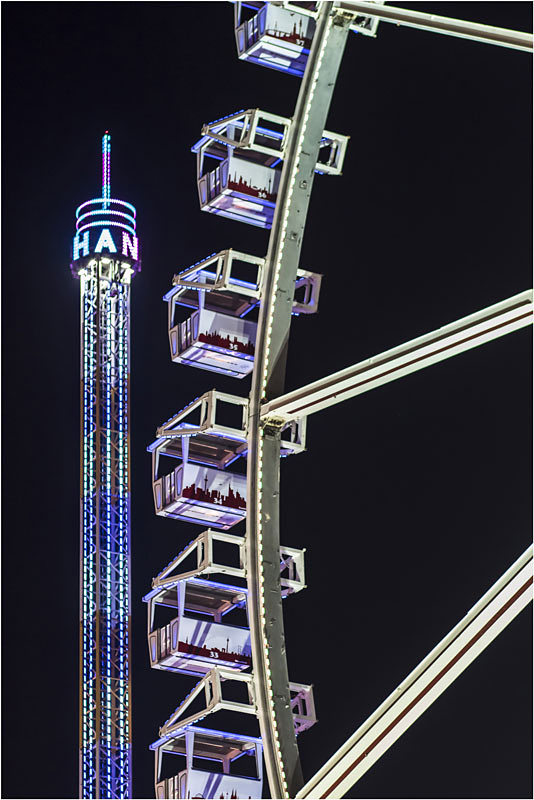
[105, 257]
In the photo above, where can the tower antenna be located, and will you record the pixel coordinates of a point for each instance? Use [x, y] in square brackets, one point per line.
[106, 170]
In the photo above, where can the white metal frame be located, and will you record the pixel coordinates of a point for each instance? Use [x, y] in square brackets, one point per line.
[249, 123]
[212, 686]
[207, 404]
[292, 569]
[178, 427]
[292, 572]
[200, 278]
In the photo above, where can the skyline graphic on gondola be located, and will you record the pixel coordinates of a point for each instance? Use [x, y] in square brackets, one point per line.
[226, 343]
[218, 653]
[241, 185]
[293, 37]
[214, 496]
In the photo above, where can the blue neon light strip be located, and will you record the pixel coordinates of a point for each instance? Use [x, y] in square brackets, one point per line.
[98, 213]
[106, 223]
[88, 290]
[105, 547]
[101, 200]
[221, 735]
[108, 553]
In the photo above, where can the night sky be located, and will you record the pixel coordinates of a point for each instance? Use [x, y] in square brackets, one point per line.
[411, 500]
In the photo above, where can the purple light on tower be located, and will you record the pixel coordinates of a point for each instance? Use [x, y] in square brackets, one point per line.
[105, 256]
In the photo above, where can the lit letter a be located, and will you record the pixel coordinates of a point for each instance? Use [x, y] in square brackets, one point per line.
[105, 240]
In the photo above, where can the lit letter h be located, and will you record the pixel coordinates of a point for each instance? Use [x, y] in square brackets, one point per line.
[80, 245]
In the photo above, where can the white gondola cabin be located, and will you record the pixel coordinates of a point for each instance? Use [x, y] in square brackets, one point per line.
[236, 776]
[222, 755]
[280, 36]
[189, 644]
[220, 335]
[238, 164]
[273, 36]
[207, 436]
[200, 607]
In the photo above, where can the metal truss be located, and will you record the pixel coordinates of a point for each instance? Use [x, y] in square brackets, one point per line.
[201, 551]
[212, 689]
[201, 278]
[247, 130]
[105, 746]
[467, 640]
[197, 433]
[450, 340]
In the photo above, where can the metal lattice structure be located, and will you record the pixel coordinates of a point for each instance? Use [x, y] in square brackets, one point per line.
[105, 269]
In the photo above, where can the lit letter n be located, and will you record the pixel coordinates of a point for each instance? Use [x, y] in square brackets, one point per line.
[129, 244]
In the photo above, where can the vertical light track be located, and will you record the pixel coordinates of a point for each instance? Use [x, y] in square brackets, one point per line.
[88, 577]
[105, 769]
[106, 170]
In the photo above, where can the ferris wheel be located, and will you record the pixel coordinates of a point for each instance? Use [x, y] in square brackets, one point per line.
[215, 611]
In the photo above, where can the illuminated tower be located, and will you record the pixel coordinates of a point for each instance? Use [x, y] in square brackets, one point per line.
[105, 256]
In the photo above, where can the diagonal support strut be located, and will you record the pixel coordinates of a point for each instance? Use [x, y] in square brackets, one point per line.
[464, 334]
[480, 626]
[475, 31]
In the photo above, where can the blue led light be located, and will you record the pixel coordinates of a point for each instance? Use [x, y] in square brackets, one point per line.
[108, 213]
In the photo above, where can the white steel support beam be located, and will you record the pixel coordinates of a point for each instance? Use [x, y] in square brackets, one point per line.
[271, 680]
[517, 40]
[493, 612]
[476, 329]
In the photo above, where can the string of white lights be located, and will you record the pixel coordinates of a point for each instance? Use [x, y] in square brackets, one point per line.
[265, 376]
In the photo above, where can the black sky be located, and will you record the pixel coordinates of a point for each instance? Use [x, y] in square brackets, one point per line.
[411, 500]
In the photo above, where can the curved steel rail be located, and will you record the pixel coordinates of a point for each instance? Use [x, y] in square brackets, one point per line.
[263, 471]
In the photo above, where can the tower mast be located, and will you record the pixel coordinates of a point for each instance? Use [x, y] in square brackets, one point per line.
[105, 256]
